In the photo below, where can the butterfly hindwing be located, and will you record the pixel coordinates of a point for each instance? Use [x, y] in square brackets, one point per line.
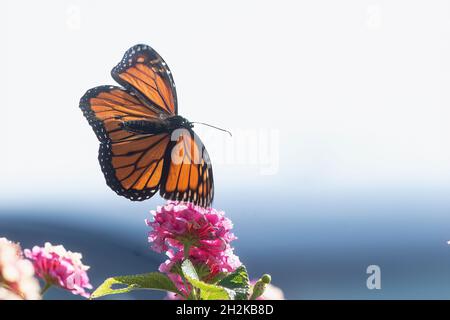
[188, 172]
[143, 71]
[132, 163]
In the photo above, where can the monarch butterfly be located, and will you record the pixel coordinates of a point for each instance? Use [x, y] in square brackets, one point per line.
[144, 144]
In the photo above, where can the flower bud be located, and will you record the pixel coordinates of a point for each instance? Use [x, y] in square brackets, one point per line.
[260, 286]
[266, 278]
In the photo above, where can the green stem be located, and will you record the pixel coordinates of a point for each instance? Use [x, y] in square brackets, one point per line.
[187, 247]
[46, 287]
[197, 293]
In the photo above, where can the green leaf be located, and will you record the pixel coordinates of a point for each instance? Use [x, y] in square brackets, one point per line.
[153, 280]
[218, 277]
[213, 292]
[237, 281]
[207, 291]
[188, 270]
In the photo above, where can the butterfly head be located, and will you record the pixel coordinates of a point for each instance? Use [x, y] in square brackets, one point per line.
[176, 122]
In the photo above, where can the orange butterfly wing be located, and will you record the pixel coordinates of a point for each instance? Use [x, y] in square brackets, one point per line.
[144, 72]
[136, 164]
[189, 175]
[132, 163]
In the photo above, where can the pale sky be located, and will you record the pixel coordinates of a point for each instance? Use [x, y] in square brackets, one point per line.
[353, 93]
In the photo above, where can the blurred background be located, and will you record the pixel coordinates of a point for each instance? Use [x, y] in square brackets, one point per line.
[340, 157]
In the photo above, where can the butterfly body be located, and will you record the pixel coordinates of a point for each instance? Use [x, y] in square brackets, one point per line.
[167, 125]
[145, 146]
[177, 122]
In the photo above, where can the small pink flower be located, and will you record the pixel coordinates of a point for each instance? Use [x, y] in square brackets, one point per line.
[178, 223]
[168, 267]
[60, 267]
[17, 279]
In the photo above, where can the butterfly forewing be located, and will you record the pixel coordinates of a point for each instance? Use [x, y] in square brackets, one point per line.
[143, 71]
[132, 163]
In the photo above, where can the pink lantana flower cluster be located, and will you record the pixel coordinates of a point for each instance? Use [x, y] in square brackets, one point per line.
[53, 264]
[60, 267]
[183, 230]
[17, 281]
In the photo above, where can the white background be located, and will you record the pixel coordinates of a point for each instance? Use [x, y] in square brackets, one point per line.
[357, 90]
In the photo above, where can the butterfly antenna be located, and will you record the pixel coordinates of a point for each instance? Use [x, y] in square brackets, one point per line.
[208, 125]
